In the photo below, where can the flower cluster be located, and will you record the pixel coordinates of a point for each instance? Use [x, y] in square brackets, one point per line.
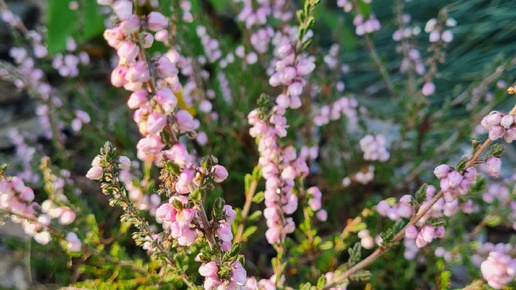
[156, 88]
[28, 75]
[438, 31]
[210, 45]
[366, 26]
[212, 274]
[374, 148]
[454, 183]
[500, 125]
[281, 166]
[499, 269]
[315, 203]
[17, 200]
[176, 216]
[67, 65]
[342, 107]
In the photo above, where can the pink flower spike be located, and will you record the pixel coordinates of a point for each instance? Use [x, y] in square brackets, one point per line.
[156, 21]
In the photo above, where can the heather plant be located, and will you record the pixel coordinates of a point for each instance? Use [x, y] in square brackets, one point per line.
[255, 161]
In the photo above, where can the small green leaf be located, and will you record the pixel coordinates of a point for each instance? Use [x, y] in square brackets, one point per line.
[258, 197]
[321, 282]
[493, 220]
[421, 193]
[497, 150]
[218, 207]
[306, 44]
[249, 231]
[326, 245]
[255, 215]
[462, 164]
[247, 182]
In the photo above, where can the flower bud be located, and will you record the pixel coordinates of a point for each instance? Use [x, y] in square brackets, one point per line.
[507, 121]
[441, 171]
[496, 132]
[131, 25]
[123, 9]
[156, 21]
[137, 99]
[208, 270]
[166, 68]
[127, 52]
[95, 173]
[493, 166]
[220, 173]
[124, 162]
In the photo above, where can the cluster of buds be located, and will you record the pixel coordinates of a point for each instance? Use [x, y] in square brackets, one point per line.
[31, 77]
[500, 125]
[289, 72]
[281, 166]
[342, 107]
[454, 183]
[209, 44]
[261, 38]
[395, 212]
[315, 203]
[374, 148]
[438, 30]
[499, 269]
[154, 83]
[176, 216]
[17, 200]
[216, 276]
[426, 229]
[67, 65]
[155, 86]
[252, 14]
[497, 265]
[366, 26]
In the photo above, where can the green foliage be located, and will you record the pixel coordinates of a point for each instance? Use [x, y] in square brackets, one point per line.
[64, 23]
